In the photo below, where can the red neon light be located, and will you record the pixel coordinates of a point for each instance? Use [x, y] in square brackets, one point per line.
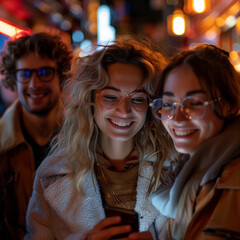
[9, 29]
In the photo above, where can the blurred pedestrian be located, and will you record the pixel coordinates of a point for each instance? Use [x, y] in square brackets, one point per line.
[35, 65]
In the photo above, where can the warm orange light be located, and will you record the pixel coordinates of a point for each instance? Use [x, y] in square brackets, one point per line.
[233, 55]
[238, 26]
[178, 23]
[196, 6]
[199, 6]
[8, 29]
[220, 22]
[237, 67]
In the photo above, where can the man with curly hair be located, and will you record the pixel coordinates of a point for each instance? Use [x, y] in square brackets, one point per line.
[36, 66]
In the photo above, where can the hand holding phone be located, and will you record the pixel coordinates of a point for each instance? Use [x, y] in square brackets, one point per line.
[128, 218]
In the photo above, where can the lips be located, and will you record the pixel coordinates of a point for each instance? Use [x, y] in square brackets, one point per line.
[37, 94]
[183, 133]
[121, 123]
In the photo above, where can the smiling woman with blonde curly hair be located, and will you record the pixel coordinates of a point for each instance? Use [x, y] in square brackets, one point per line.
[107, 153]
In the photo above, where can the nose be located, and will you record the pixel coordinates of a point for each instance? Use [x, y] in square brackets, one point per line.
[34, 81]
[179, 114]
[124, 106]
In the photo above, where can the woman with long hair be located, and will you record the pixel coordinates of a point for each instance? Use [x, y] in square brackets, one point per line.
[197, 101]
[107, 154]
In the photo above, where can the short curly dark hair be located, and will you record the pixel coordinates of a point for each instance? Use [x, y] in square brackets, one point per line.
[43, 45]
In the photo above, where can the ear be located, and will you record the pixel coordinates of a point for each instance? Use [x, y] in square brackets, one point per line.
[229, 111]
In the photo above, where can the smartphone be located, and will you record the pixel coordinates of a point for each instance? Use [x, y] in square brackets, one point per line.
[128, 217]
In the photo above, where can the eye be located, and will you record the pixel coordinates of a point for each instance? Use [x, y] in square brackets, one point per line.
[167, 105]
[139, 98]
[44, 72]
[195, 103]
[25, 73]
[110, 97]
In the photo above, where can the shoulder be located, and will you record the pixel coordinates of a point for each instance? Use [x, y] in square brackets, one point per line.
[10, 127]
[12, 111]
[52, 171]
[54, 164]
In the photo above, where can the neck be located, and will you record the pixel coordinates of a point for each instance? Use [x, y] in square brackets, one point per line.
[41, 128]
[116, 150]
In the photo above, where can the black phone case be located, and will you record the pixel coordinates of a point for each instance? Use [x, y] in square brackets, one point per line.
[128, 217]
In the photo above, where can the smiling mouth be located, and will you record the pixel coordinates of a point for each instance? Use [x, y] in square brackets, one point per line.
[184, 132]
[121, 124]
[34, 96]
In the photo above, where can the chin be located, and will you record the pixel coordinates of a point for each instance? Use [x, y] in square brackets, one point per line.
[121, 138]
[40, 113]
[184, 150]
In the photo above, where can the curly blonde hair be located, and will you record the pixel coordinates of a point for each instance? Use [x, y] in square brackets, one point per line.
[79, 134]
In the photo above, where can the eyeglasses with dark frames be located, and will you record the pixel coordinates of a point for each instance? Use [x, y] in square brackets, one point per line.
[110, 98]
[44, 74]
[192, 107]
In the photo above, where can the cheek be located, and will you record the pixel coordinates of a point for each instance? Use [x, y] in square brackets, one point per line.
[98, 115]
[142, 118]
[210, 129]
[54, 85]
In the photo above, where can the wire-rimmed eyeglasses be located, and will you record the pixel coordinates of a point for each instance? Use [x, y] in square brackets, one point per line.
[45, 74]
[109, 98]
[192, 107]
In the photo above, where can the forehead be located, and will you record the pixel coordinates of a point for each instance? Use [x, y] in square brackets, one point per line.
[125, 77]
[32, 61]
[181, 80]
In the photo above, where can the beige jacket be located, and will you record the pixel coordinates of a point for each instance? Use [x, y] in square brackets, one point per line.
[57, 210]
[219, 217]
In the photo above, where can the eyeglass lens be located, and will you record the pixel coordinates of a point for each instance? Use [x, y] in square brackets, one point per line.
[192, 107]
[110, 98]
[45, 74]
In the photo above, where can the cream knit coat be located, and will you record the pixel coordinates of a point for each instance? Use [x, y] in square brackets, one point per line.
[58, 211]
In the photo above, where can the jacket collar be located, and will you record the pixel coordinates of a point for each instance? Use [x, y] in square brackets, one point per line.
[10, 127]
[230, 178]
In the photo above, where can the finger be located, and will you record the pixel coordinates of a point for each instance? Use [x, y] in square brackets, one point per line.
[110, 232]
[106, 222]
[141, 236]
[118, 230]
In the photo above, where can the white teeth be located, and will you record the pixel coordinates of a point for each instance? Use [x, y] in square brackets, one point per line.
[121, 124]
[36, 96]
[183, 132]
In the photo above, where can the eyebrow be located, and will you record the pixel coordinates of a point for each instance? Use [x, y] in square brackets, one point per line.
[118, 90]
[190, 93]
